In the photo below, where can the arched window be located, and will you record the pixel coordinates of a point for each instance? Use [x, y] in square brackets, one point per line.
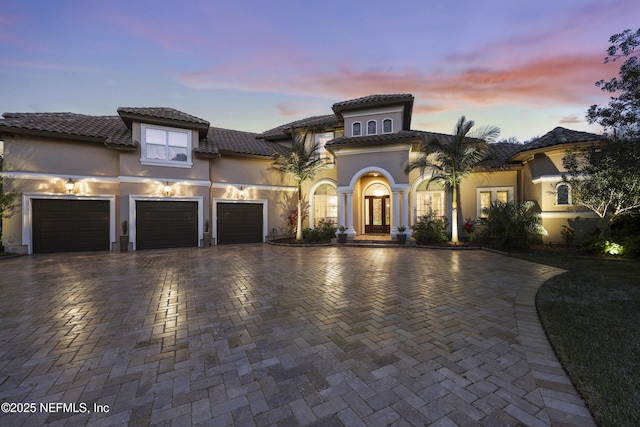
[372, 127]
[356, 129]
[429, 202]
[387, 126]
[563, 194]
[325, 204]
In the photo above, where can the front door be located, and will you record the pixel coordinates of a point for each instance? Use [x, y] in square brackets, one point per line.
[377, 214]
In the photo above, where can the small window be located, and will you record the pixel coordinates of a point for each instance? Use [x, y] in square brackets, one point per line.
[387, 126]
[356, 129]
[563, 194]
[165, 146]
[372, 127]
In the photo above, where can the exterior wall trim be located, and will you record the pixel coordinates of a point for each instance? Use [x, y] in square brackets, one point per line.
[254, 186]
[567, 214]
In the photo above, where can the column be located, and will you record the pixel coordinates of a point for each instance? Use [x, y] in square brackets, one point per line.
[396, 212]
[405, 212]
[351, 232]
[341, 220]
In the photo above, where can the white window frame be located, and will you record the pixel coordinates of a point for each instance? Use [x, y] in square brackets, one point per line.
[353, 126]
[494, 196]
[375, 122]
[159, 162]
[569, 194]
[390, 120]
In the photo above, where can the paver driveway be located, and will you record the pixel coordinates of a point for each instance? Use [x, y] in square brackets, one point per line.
[272, 335]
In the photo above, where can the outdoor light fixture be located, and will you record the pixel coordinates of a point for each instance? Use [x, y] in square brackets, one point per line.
[69, 185]
[167, 188]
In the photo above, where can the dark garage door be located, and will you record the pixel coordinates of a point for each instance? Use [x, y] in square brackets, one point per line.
[166, 225]
[70, 225]
[239, 223]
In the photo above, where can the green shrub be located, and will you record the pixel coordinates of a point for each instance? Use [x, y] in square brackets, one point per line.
[324, 232]
[430, 229]
[512, 225]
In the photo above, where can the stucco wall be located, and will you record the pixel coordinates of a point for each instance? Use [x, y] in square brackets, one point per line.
[392, 160]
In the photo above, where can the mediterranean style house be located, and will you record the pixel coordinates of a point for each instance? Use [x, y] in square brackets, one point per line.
[178, 181]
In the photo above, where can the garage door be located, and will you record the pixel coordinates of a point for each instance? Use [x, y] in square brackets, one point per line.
[70, 225]
[239, 223]
[166, 224]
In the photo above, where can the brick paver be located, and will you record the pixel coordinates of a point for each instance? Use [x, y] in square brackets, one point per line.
[270, 335]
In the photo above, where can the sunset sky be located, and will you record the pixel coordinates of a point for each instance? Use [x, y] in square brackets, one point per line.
[524, 66]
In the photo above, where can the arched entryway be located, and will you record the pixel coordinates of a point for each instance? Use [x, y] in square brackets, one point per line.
[377, 209]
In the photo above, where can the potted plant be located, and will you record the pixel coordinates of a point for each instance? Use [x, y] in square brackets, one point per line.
[401, 237]
[124, 238]
[207, 234]
[342, 235]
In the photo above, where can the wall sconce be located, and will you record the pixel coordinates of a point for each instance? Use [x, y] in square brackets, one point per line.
[167, 189]
[241, 192]
[69, 185]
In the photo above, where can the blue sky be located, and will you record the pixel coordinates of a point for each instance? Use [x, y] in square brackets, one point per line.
[526, 67]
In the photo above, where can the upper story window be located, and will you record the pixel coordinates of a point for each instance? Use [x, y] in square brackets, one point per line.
[563, 194]
[387, 126]
[356, 129]
[166, 146]
[372, 127]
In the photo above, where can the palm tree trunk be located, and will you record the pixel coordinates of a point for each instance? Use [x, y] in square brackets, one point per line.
[299, 228]
[454, 215]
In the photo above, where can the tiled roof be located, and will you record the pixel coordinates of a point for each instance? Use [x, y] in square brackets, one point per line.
[161, 113]
[109, 129]
[373, 100]
[371, 140]
[498, 154]
[556, 137]
[559, 136]
[248, 143]
[314, 122]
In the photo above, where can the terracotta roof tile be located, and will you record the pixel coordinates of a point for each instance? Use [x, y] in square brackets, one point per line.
[162, 113]
[374, 100]
[109, 129]
[314, 122]
[559, 136]
[371, 140]
[248, 143]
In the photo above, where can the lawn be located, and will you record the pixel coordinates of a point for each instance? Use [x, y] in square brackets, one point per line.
[591, 315]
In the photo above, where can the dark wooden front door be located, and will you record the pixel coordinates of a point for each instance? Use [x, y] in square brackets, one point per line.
[377, 214]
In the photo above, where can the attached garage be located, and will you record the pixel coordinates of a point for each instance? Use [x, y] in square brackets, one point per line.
[166, 224]
[61, 225]
[239, 223]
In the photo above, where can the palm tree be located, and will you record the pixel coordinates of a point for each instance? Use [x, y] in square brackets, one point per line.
[451, 159]
[301, 164]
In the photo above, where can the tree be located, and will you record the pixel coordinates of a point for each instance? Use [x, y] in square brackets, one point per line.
[605, 179]
[6, 200]
[302, 164]
[451, 159]
[622, 115]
